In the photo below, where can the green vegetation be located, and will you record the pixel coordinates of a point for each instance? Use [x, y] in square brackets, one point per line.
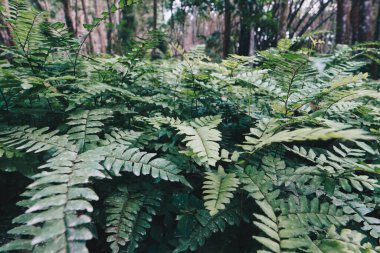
[276, 152]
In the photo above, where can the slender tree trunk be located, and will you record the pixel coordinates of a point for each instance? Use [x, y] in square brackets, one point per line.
[252, 42]
[109, 29]
[6, 30]
[377, 31]
[366, 21]
[294, 13]
[354, 20]
[283, 22]
[376, 36]
[76, 18]
[68, 18]
[245, 28]
[227, 28]
[100, 31]
[84, 8]
[154, 14]
[313, 18]
[343, 27]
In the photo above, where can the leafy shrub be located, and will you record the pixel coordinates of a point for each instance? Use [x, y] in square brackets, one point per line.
[173, 155]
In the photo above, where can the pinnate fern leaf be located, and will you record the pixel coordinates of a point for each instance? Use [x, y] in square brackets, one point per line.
[204, 225]
[59, 199]
[202, 137]
[85, 125]
[345, 241]
[120, 158]
[35, 140]
[218, 189]
[128, 217]
[306, 134]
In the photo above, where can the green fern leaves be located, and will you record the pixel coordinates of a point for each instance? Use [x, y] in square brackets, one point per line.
[346, 241]
[218, 189]
[85, 125]
[35, 140]
[303, 134]
[122, 158]
[202, 137]
[129, 215]
[171, 166]
[58, 202]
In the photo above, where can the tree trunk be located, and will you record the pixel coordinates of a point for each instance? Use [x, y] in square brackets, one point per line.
[354, 20]
[377, 31]
[366, 29]
[343, 27]
[245, 28]
[101, 34]
[154, 14]
[283, 22]
[67, 13]
[252, 42]
[76, 18]
[227, 28]
[84, 8]
[6, 30]
[109, 29]
[313, 18]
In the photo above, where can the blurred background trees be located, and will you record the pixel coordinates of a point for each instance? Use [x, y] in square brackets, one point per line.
[225, 26]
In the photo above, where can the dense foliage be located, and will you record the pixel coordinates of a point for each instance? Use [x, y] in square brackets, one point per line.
[272, 153]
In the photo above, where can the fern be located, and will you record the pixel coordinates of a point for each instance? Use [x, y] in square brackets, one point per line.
[85, 125]
[128, 217]
[205, 225]
[55, 198]
[346, 240]
[218, 190]
[122, 158]
[202, 137]
[303, 134]
[296, 131]
[36, 140]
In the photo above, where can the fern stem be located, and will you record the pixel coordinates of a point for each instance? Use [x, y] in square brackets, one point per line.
[82, 43]
[290, 86]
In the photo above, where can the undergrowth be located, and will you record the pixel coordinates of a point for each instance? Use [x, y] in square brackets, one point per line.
[276, 152]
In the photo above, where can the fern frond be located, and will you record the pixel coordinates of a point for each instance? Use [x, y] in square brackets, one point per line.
[121, 137]
[35, 140]
[58, 199]
[85, 125]
[281, 233]
[352, 205]
[202, 137]
[345, 241]
[305, 134]
[204, 225]
[123, 158]
[218, 189]
[313, 212]
[128, 217]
